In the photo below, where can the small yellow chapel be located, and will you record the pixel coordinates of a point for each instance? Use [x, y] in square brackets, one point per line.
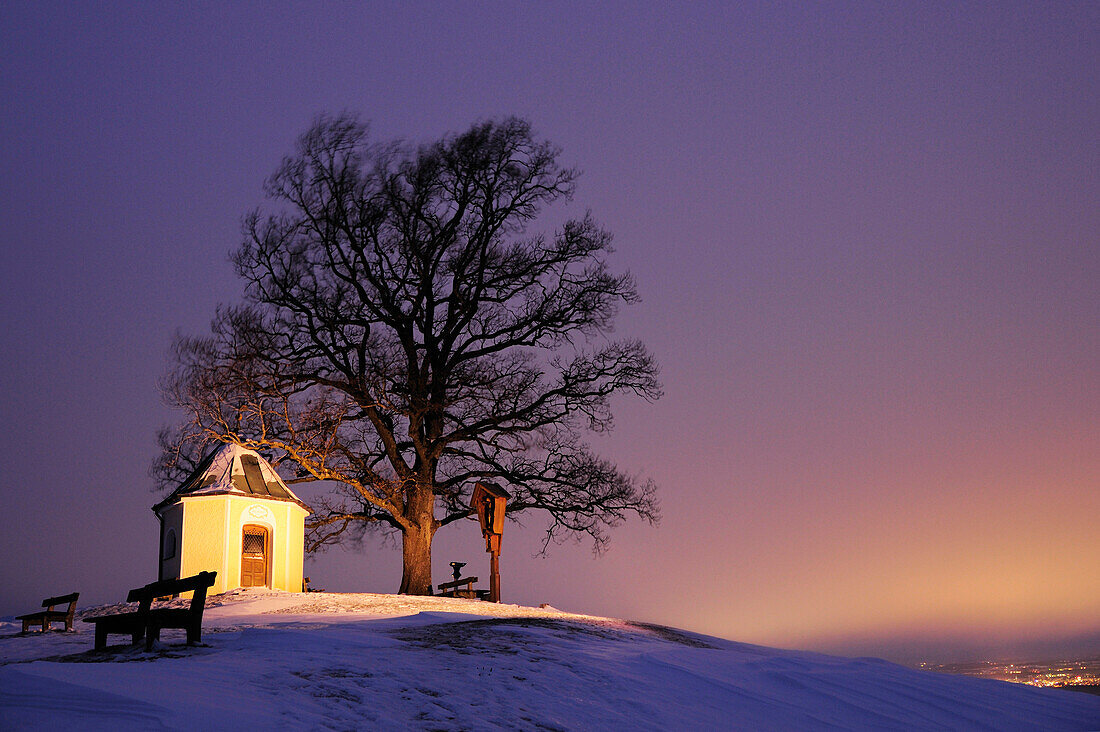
[235, 516]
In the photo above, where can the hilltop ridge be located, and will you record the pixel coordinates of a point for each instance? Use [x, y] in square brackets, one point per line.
[346, 661]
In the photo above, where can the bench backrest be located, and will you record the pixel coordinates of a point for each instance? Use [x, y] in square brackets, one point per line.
[70, 598]
[458, 583]
[199, 583]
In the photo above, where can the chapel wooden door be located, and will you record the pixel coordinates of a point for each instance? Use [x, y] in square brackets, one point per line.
[254, 556]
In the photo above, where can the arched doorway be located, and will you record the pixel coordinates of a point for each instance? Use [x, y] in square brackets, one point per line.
[255, 556]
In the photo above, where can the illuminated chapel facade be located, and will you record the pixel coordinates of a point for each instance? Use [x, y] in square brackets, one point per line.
[235, 516]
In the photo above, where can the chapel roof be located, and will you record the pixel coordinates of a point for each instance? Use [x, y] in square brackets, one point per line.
[233, 470]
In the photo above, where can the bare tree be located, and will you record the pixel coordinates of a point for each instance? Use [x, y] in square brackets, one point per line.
[405, 334]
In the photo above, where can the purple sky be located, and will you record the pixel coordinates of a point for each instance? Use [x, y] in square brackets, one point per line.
[867, 239]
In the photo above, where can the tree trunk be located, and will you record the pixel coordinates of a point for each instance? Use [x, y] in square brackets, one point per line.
[416, 559]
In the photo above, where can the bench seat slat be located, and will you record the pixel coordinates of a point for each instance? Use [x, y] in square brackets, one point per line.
[51, 614]
[124, 621]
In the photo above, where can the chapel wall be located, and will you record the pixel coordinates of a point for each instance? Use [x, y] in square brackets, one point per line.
[205, 524]
[171, 534]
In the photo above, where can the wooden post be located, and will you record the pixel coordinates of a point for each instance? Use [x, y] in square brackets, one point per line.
[490, 502]
[494, 575]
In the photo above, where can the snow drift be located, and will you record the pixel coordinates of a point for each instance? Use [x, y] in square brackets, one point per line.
[346, 661]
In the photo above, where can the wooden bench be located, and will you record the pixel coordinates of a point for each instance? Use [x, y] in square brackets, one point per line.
[49, 615]
[147, 621]
[450, 589]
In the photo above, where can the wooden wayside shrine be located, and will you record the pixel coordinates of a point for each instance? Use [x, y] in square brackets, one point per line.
[490, 502]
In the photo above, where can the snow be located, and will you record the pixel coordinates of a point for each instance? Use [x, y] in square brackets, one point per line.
[221, 468]
[346, 661]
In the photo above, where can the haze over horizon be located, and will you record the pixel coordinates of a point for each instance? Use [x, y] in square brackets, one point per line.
[867, 240]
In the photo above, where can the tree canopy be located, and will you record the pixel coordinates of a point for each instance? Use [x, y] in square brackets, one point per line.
[406, 332]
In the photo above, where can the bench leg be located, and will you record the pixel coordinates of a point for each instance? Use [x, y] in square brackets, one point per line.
[45, 625]
[100, 636]
[152, 635]
[194, 634]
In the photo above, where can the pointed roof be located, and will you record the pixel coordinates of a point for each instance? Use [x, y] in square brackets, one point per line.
[233, 470]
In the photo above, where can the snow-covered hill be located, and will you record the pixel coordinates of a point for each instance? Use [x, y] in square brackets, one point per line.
[347, 661]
